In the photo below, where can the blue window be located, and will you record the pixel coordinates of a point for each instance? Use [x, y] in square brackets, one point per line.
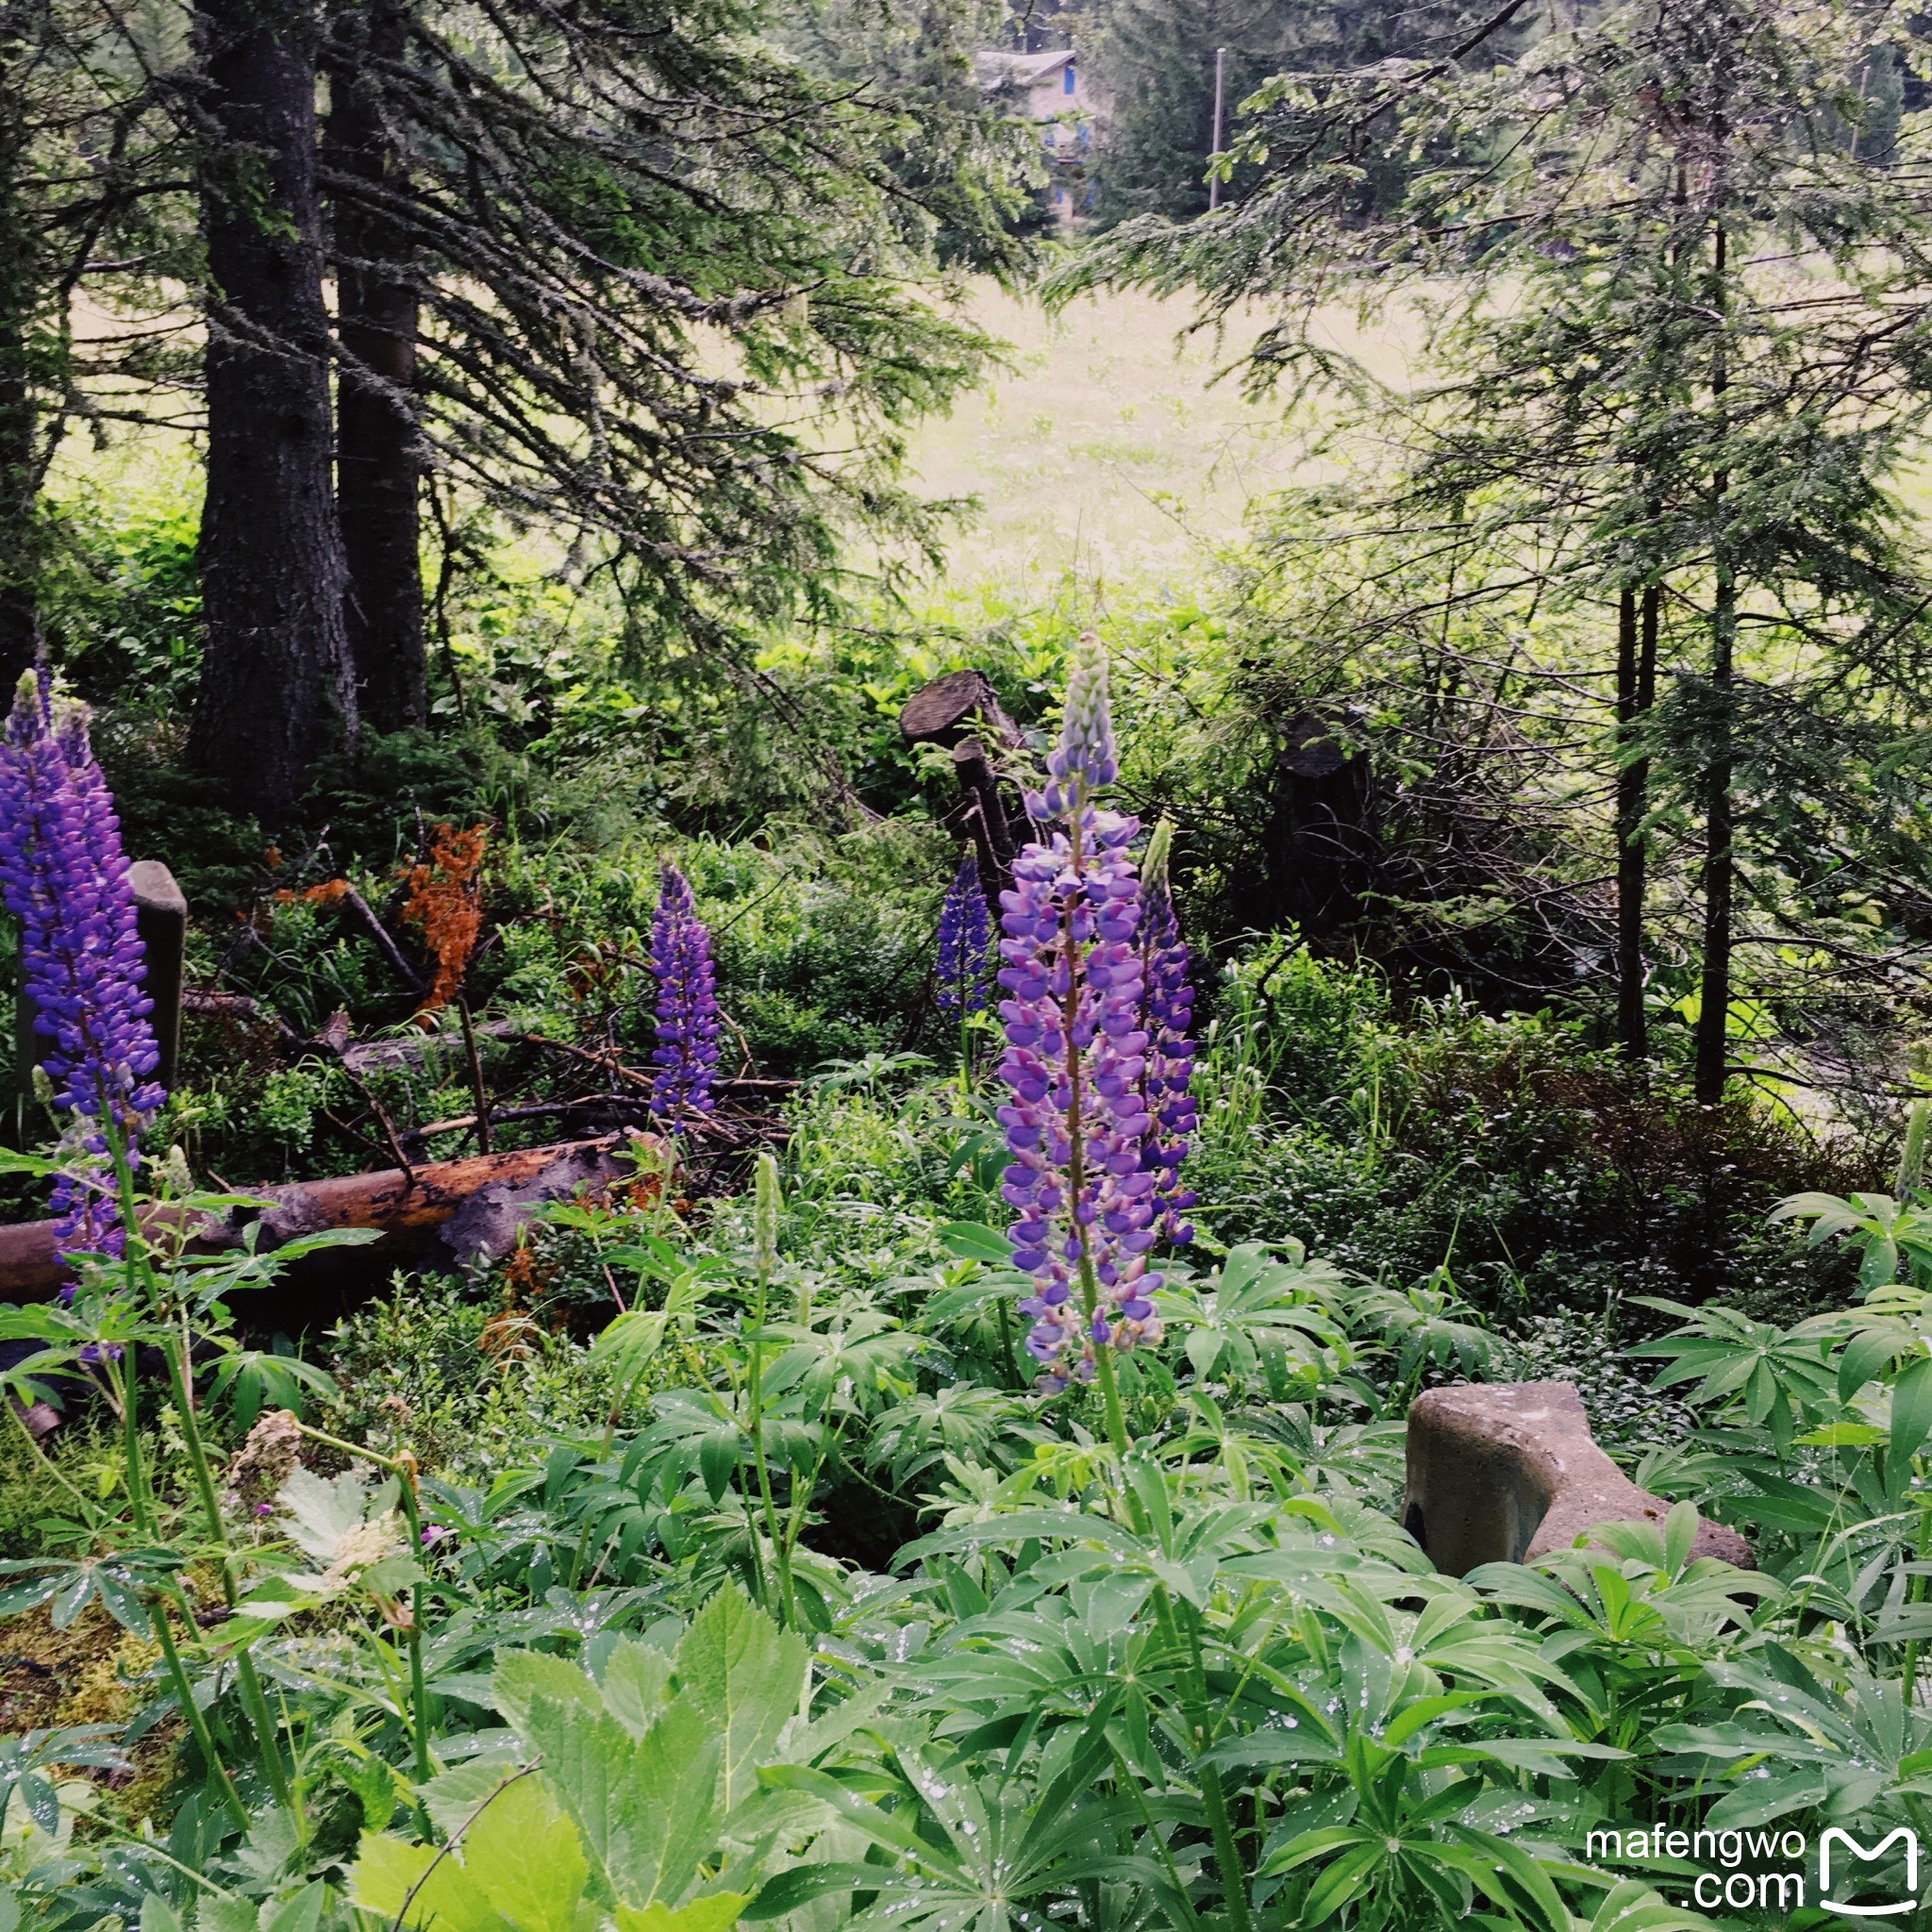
[1067, 78]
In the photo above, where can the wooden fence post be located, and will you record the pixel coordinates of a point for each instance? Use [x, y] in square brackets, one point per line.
[161, 917]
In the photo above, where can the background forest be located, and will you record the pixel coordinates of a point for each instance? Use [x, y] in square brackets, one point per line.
[496, 476]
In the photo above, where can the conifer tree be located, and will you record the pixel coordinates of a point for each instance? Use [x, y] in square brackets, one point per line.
[635, 272]
[1685, 350]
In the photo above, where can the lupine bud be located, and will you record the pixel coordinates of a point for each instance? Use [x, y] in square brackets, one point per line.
[1911, 1165]
[965, 940]
[766, 1204]
[686, 1055]
[64, 877]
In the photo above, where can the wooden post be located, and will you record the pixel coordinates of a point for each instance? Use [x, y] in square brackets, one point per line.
[160, 916]
[962, 711]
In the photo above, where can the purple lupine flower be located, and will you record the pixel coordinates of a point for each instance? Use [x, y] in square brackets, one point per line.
[64, 877]
[965, 941]
[1075, 1053]
[686, 1055]
[1167, 1003]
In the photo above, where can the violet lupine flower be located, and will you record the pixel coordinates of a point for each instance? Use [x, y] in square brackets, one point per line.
[1075, 1053]
[686, 1055]
[64, 876]
[1167, 1003]
[965, 940]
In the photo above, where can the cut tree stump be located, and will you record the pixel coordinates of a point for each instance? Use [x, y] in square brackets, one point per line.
[443, 1215]
[962, 711]
[1507, 1471]
[161, 918]
[962, 704]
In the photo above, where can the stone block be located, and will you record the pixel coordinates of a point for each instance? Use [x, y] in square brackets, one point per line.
[1507, 1472]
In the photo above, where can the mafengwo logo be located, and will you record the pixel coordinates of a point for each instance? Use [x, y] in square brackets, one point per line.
[1774, 1870]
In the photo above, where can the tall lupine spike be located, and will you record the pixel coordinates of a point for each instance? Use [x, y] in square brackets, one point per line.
[686, 1055]
[1075, 1053]
[64, 877]
[1167, 1003]
[965, 940]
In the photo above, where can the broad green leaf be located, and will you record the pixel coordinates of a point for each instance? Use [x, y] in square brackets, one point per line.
[647, 1808]
[974, 1242]
[416, 1885]
[521, 1676]
[157, 1914]
[737, 1667]
[451, 1796]
[714, 1913]
[636, 1684]
[1911, 1413]
[1680, 1532]
[522, 1855]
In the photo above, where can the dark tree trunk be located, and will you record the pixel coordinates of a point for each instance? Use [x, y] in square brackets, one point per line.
[1636, 694]
[378, 449]
[1714, 994]
[1715, 1004]
[19, 471]
[277, 687]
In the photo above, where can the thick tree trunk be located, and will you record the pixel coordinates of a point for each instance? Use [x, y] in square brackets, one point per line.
[1636, 694]
[378, 449]
[19, 471]
[1714, 993]
[277, 687]
[1715, 1004]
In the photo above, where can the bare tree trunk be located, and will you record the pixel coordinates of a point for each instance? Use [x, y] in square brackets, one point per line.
[20, 545]
[277, 687]
[1714, 1005]
[379, 450]
[1714, 993]
[1636, 694]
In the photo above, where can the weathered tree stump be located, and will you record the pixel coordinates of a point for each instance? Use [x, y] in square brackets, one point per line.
[960, 711]
[161, 917]
[1507, 1472]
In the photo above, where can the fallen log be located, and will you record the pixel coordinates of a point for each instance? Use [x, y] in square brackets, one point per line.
[442, 1214]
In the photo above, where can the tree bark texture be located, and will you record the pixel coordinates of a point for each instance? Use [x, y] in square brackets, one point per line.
[1714, 994]
[19, 471]
[277, 687]
[1636, 694]
[1714, 1003]
[378, 445]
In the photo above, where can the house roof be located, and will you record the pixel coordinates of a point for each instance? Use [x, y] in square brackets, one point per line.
[994, 69]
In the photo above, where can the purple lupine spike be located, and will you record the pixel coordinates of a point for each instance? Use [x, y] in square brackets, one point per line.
[1167, 1002]
[1084, 1204]
[965, 943]
[64, 877]
[686, 1055]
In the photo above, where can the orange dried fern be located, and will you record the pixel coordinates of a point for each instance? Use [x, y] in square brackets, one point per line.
[445, 906]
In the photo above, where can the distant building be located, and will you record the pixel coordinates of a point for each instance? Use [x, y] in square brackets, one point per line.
[1051, 91]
